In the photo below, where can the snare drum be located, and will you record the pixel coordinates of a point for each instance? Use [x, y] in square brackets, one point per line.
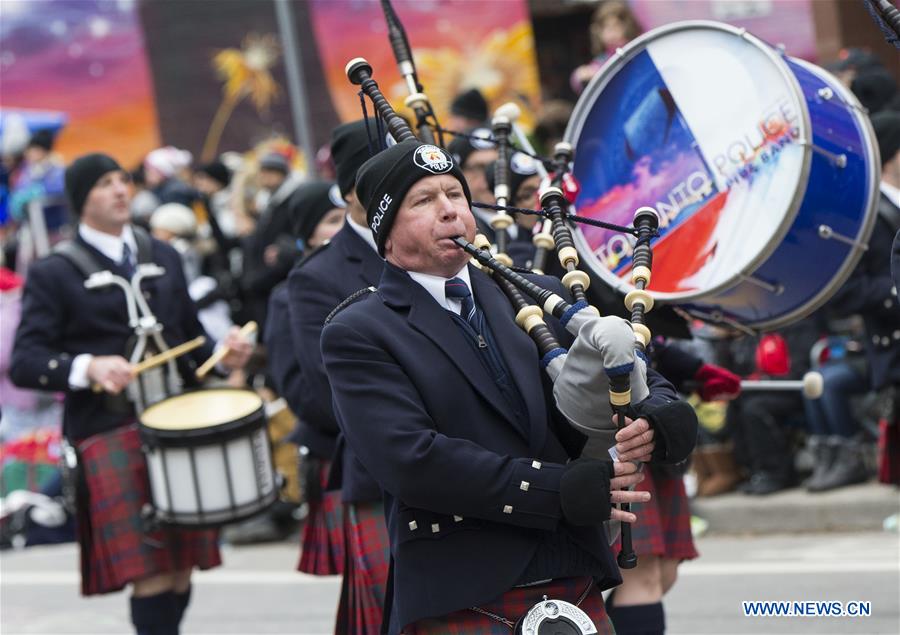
[209, 457]
[763, 167]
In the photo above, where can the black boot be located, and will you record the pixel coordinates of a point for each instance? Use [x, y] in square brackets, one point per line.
[849, 467]
[824, 451]
[763, 483]
[155, 614]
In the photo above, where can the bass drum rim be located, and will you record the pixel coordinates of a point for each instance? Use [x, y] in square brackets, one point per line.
[871, 214]
[599, 82]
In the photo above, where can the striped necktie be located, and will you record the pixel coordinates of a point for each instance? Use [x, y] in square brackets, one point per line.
[126, 263]
[457, 289]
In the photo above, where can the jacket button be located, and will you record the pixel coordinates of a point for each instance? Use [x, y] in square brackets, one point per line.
[524, 485]
[507, 509]
[457, 518]
[413, 525]
[888, 303]
[885, 341]
[42, 380]
[52, 364]
[435, 527]
[896, 335]
[536, 465]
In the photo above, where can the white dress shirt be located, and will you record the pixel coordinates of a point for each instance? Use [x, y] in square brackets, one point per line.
[434, 285]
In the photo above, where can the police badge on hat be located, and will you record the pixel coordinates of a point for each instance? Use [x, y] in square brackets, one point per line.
[482, 139]
[433, 159]
[334, 195]
[523, 164]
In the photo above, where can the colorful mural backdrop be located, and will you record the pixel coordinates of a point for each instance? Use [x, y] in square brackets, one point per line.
[85, 59]
[457, 45]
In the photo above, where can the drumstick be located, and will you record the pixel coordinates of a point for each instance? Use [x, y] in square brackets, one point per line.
[246, 330]
[162, 358]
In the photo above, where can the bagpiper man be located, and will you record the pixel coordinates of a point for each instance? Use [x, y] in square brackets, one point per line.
[442, 398]
[72, 337]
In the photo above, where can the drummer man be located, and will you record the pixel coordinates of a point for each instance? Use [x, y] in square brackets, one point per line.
[71, 338]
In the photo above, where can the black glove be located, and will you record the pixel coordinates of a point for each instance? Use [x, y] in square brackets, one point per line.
[584, 491]
[675, 425]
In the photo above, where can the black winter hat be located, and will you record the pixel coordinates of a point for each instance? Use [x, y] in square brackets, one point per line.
[275, 162]
[470, 104]
[887, 130]
[42, 139]
[82, 175]
[521, 168]
[349, 150]
[875, 88]
[217, 171]
[309, 204]
[384, 180]
[461, 147]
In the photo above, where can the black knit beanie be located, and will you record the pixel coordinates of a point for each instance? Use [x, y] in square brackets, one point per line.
[521, 168]
[309, 204]
[42, 138]
[470, 104]
[887, 131]
[217, 171]
[875, 88]
[461, 147]
[384, 180]
[349, 150]
[82, 175]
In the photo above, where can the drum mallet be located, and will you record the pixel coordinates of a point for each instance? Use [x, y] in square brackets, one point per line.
[811, 385]
[246, 331]
[161, 358]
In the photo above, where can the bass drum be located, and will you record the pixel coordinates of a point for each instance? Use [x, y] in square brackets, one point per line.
[763, 168]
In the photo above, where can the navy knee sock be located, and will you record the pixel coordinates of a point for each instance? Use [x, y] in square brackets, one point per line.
[155, 614]
[639, 619]
[181, 603]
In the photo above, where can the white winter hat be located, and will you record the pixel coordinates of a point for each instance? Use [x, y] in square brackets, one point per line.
[176, 218]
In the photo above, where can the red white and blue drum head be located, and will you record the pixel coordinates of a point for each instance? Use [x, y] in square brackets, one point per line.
[710, 127]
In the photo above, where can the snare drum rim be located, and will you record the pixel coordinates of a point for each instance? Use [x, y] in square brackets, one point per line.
[609, 70]
[157, 437]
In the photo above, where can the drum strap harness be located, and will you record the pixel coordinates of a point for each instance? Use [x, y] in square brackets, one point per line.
[151, 386]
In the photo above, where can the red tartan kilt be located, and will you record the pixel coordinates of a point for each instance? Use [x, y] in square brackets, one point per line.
[663, 526]
[365, 576]
[514, 604]
[322, 543]
[115, 547]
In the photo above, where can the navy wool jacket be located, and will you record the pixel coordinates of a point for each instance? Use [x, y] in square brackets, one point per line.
[428, 421]
[316, 286]
[62, 319]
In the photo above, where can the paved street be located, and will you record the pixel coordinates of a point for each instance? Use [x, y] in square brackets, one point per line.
[257, 590]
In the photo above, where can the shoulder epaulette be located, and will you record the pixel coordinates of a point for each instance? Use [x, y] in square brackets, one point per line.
[353, 297]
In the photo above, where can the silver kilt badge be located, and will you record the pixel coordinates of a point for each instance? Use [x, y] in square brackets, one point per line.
[556, 617]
